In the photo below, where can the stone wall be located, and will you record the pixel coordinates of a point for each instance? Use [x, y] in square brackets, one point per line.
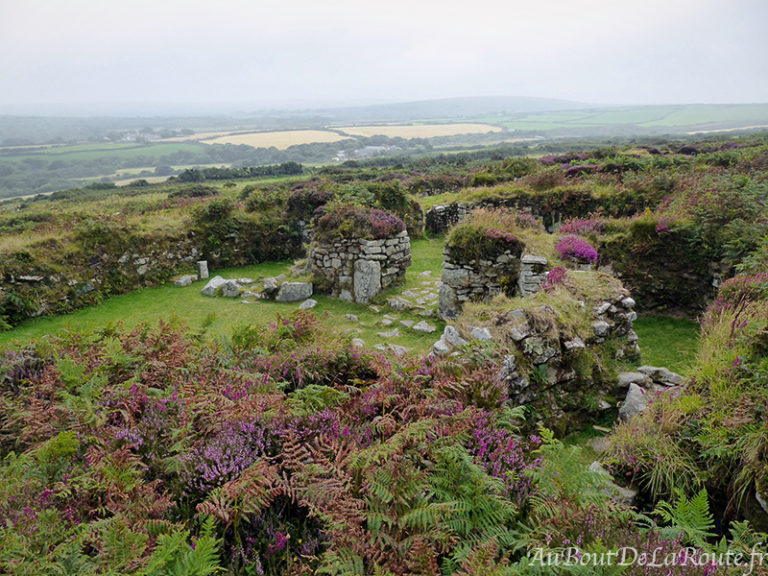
[566, 375]
[476, 280]
[66, 277]
[510, 273]
[357, 270]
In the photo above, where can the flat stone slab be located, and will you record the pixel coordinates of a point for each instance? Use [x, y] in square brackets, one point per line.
[390, 334]
[627, 378]
[533, 259]
[186, 280]
[662, 375]
[308, 304]
[424, 327]
[393, 348]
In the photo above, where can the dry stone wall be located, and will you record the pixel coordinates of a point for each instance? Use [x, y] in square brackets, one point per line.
[357, 270]
[476, 280]
[509, 272]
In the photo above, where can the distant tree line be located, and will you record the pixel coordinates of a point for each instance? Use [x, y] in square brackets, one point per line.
[215, 173]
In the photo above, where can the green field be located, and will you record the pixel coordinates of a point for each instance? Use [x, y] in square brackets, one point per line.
[689, 117]
[222, 315]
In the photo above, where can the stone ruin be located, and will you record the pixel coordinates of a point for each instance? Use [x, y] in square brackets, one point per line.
[553, 368]
[510, 272]
[356, 270]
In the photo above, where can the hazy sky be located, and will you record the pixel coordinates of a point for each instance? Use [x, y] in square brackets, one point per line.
[257, 53]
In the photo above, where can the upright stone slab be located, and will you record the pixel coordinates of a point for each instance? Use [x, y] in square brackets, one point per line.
[202, 269]
[533, 272]
[366, 280]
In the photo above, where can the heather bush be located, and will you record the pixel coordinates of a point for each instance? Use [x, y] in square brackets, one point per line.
[555, 277]
[486, 235]
[348, 221]
[582, 227]
[575, 249]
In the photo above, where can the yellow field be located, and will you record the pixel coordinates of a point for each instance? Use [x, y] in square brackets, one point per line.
[195, 137]
[280, 140]
[420, 130]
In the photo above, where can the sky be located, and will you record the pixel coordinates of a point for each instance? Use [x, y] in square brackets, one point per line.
[59, 55]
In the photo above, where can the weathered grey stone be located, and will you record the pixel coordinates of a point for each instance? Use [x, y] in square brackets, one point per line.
[448, 303]
[352, 317]
[456, 277]
[345, 295]
[627, 378]
[202, 269]
[389, 334]
[230, 289]
[308, 304]
[482, 334]
[245, 281]
[632, 336]
[213, 284]
[628, 303]
[294, 291]
[407, 323]
[602, 308]
[540, 350]
[662, 375]
[516, 324]
[395, 349]
[424, 327]
[358, 343]
[533, 259]
[601, 328]
[141, 270]
[185, 280]
[271, 286]
[441, 348]
[452, 337]
[574, 344]
[635, 403]
[367, 280]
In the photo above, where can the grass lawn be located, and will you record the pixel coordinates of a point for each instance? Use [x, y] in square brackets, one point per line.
[669, 342]
[149, 305]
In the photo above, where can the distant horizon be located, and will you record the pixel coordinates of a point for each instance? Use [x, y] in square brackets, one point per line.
[238, 109]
